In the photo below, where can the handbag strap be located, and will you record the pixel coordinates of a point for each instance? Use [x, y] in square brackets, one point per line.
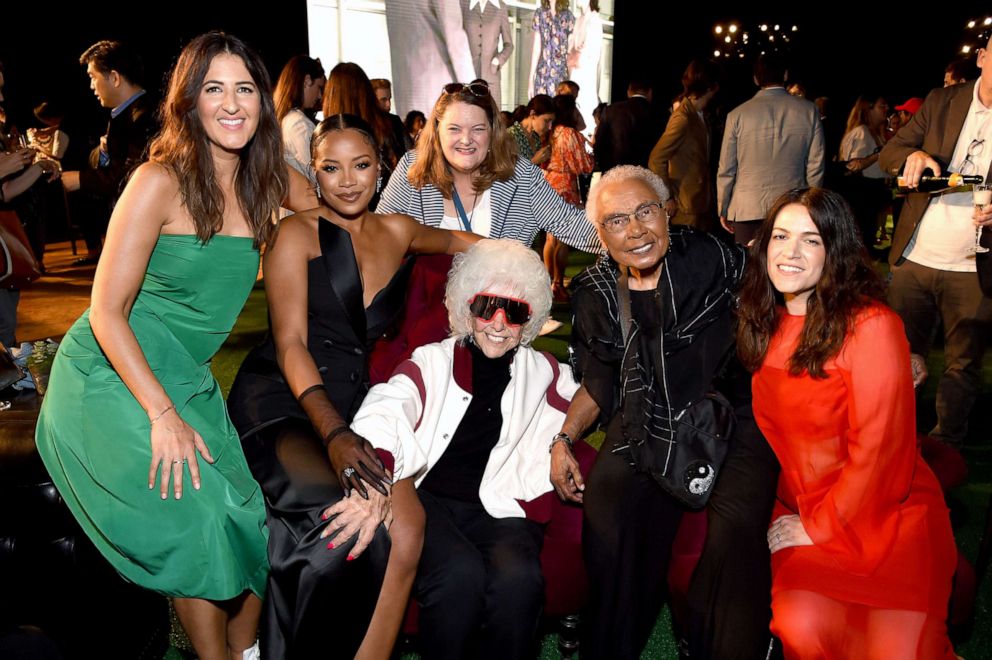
[623, 302]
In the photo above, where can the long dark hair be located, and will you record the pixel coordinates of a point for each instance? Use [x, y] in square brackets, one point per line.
[289, 88]
[183, 147]
[848, 283]
[565, 110]
[343, 122]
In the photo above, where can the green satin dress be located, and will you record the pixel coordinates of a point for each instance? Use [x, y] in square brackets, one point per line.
[94, 437]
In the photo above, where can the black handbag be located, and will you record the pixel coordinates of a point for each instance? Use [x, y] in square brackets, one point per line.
[688, 467]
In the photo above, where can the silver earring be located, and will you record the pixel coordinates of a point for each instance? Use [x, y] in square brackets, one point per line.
[378, 183]
[316, 189]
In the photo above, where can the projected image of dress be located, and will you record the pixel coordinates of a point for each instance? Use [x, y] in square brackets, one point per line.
[549, 63]
[428, 49]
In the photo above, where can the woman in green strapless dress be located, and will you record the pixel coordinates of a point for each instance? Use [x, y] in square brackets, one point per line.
[134, 429]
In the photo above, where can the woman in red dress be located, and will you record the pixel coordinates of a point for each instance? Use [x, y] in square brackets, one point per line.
[569, 159]
[862, 548]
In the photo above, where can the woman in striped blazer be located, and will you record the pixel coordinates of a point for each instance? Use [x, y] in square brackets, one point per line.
[465, 174]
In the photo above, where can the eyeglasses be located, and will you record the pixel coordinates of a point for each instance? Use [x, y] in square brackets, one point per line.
[645, 214]
[484, 306]
[480, 88]
[975, 149]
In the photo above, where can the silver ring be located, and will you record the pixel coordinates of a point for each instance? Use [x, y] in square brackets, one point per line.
[778, 537]
[348, 472]
[177, 461]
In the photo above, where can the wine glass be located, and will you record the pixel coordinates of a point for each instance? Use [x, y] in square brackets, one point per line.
[981, 197]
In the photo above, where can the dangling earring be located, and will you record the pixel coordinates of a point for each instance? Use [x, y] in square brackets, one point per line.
[378, 182]
[316, 189]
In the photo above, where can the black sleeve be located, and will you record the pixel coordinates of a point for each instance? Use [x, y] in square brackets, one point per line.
[595, 351]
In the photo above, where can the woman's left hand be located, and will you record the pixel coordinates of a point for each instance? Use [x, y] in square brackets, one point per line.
[356, 515]
[787, 532]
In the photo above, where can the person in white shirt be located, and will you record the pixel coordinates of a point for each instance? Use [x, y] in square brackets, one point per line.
[298, 97]
[933, 261]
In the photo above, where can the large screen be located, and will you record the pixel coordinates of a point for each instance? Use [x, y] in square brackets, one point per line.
[519, 48]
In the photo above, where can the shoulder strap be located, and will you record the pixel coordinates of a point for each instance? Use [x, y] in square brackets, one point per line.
[623, 300]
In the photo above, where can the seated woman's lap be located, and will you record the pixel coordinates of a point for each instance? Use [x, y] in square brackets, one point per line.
[811, 625]
[477, 572]
[310, 584]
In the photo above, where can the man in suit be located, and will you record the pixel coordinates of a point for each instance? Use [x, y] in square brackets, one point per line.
[485, 22]
[628, 129]
[682, 156]
[772, 143]
[428, 49]
[115, 73]
[933, 263]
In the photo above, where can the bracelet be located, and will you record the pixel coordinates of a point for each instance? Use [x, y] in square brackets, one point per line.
[310, 390]
[561, 437]
[335, 433]
[159, 416]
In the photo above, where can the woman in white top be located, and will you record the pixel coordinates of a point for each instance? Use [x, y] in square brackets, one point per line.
[585, 47]
[298, 97]
[863, 139]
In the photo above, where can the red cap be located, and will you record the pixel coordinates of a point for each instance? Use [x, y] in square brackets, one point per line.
[911, 106]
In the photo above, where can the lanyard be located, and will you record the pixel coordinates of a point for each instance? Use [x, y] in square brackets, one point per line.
[465, 220]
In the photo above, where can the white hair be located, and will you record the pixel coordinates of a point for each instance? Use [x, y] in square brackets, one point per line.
[498, 266]
[619, 174]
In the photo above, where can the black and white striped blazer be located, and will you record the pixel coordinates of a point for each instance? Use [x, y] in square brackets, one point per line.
[521, 207]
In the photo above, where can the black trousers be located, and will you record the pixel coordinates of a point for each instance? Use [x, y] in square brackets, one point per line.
[731, 590]
[317, 604]
[479, 583]
[628, 529]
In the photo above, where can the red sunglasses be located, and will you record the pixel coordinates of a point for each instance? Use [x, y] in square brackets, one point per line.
[484, 306]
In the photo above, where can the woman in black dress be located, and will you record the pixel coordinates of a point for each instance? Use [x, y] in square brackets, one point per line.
[335, 280]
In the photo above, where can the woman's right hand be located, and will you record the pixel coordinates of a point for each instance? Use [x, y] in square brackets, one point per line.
[15, 161]
[175, 444]
[355, 515]
[566, 476]
[542, 155]
[354, 460]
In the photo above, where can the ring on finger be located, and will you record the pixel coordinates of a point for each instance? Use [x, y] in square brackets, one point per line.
[348, 472]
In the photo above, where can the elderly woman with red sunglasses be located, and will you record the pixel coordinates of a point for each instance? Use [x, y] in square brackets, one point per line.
[470, 419]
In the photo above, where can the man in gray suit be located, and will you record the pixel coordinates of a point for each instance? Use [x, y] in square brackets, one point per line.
[428, 49]
[772, 143]
[485, 22]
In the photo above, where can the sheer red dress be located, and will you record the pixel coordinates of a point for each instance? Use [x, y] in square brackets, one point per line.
[876, 581]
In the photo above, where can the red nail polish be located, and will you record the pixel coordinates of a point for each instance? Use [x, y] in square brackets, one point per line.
[323, 516]
[350, 558]
[330, 546]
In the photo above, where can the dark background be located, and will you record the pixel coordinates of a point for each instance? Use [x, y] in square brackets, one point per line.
[840, 51]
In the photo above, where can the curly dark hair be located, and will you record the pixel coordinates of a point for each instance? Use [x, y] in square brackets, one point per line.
[848, 284]
[183, 147]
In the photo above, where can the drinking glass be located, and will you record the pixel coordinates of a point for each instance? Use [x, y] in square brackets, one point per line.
[981, 197]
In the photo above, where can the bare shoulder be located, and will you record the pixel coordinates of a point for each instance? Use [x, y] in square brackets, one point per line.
[155, 179]
[398, 225]
[297, 233]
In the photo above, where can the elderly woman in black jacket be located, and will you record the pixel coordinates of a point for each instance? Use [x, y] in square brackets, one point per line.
[654, 332]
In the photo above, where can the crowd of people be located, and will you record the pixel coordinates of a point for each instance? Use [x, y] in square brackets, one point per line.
[392, 441]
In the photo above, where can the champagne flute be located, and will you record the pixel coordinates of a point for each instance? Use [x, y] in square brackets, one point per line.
[981, 197]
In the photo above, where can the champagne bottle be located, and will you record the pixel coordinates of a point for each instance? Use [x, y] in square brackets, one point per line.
[929, 183]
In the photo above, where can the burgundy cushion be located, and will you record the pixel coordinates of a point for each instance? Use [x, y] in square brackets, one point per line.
[947, 463]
